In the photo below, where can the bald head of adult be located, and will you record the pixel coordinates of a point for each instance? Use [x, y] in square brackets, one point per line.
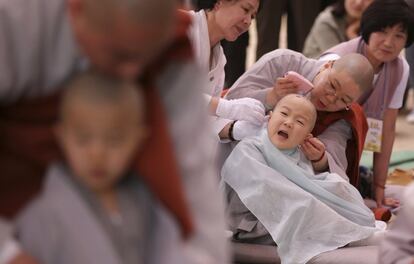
[359, 69]
[144, 12]
[342, 82]
[120, 37]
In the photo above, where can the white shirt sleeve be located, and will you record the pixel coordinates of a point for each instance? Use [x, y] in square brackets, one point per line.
[397, 99]
[329, 56]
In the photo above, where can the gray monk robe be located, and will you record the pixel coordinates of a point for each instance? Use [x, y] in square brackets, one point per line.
[276, 192]
[67, 225]
[262, 76]
[398, 245]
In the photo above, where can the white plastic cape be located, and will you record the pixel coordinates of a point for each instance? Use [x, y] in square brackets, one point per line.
[305, 214]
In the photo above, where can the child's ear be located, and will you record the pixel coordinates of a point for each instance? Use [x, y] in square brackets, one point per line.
[270, 114]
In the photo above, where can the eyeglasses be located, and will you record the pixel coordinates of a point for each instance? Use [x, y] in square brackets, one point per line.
[331, 90]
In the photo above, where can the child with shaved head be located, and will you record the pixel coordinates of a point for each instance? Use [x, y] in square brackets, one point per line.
[275, 197]
[92, 209]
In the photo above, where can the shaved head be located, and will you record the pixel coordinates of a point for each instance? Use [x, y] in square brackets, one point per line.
[304, 103]
[121, 37]
[95, 89]
[143, 12]
[359, 69]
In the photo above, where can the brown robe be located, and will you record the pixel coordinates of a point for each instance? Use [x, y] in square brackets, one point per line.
[356, 118]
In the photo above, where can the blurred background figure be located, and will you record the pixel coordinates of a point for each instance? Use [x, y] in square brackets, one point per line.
[100, 129]
[300, 17]
[337, 23]
[398, 246]
[236, 54]
[138, 40]
[409, 55]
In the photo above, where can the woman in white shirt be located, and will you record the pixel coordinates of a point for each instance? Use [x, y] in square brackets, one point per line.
[218, 20]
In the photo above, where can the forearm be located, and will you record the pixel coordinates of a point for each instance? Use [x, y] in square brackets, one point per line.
[382, 160]
[271, 99]
[212, 105]
[224, 133]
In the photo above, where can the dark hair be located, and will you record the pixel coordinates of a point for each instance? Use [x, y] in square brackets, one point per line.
[338, 9]
[381, 14]
[209, 4]
[204, 4]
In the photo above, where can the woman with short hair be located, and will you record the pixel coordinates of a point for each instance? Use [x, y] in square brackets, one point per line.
[387, 26]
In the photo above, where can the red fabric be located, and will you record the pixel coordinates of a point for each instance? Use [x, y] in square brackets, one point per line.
[27, 144]
[383, 214]
[356, 117]
[159, 160]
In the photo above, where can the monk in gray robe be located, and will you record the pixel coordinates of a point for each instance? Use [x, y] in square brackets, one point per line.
[398, 245]
[92, 209]
[10, 251]
[275, 197]
[337, 86]
[44, 43]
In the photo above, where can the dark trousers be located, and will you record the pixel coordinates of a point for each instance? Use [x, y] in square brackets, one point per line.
[301, 14]
[236, 58]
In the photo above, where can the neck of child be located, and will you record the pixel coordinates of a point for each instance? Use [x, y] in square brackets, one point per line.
[108, 199]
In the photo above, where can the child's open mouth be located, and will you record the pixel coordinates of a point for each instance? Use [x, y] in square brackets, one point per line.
[283, 134]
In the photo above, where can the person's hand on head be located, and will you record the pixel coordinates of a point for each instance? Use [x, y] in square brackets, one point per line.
[243, 129]
[314, 150]
[246, 109]
[281, 88]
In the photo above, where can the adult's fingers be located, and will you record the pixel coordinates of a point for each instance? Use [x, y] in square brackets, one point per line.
[316, 143]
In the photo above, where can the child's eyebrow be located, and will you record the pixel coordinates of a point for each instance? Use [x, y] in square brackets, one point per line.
[306, 118]
[286, 107]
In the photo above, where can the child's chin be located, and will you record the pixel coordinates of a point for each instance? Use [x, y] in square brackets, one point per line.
[280, 145]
